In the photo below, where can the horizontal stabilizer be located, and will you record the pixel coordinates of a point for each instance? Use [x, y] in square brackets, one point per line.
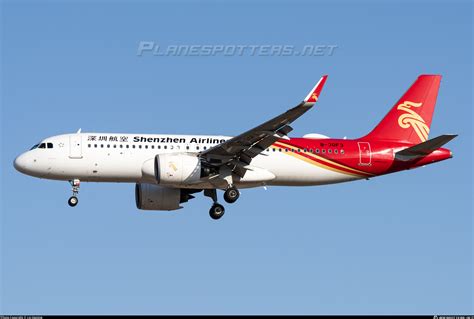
[424, 148]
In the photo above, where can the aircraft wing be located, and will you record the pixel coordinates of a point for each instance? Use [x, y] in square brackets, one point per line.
[238, 151]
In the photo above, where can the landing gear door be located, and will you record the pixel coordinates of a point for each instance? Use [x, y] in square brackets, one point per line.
[365, 154]
[75, 146]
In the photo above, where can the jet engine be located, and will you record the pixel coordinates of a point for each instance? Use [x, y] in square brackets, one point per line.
[169, 169]
[155, 197]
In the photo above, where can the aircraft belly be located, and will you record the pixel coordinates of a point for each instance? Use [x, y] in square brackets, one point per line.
[98, 169]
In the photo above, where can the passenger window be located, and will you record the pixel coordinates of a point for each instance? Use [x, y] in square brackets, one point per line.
[88, 145]
[127, 146]
[324, 151]
[329, 151]
[140, 146]
[335, 151]
[115, 145]
[317, 151]
[146, 146]
[102, 145]
[121, 145]
[133, 146]
[342, 151]
[165, 147]
[187, 147]
[95, 145]
[153, 147]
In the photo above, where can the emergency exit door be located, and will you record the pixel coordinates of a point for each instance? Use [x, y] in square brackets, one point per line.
[365, 154]
[75, 146]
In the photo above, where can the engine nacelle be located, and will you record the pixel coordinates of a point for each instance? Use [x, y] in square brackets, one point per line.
[169, 169]
[154, 197]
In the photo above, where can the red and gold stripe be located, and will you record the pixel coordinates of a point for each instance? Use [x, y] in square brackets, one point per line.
[320, 161]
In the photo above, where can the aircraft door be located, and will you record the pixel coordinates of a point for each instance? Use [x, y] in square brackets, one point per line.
[75, 146]
[365, 154]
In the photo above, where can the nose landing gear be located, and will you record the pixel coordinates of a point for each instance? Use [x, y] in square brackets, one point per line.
[73, 200]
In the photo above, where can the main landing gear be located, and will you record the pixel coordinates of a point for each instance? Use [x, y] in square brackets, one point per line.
[73, 200]
[217, 210]
[231, 194]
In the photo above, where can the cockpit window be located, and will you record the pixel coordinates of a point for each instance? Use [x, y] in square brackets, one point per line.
[42, 145]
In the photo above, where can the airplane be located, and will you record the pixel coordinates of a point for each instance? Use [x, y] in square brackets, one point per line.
[168, 169]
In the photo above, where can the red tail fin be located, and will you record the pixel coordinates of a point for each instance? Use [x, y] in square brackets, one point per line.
[409, 120]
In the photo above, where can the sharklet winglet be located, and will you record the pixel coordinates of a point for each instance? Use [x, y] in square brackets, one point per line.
[313, 95]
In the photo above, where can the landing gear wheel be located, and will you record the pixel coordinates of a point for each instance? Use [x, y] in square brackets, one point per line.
[75, 183]
[231, 195]
[216, 211]
[73, 201]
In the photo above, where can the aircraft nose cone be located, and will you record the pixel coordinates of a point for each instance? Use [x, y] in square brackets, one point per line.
[21, 163]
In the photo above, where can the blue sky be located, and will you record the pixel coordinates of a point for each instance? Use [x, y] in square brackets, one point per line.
[400, 244]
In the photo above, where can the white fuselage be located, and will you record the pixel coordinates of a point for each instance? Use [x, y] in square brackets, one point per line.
[111, 157]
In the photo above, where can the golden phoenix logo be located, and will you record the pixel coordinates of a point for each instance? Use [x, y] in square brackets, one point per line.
[413, 119]
[172, 166]
[314, 96]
